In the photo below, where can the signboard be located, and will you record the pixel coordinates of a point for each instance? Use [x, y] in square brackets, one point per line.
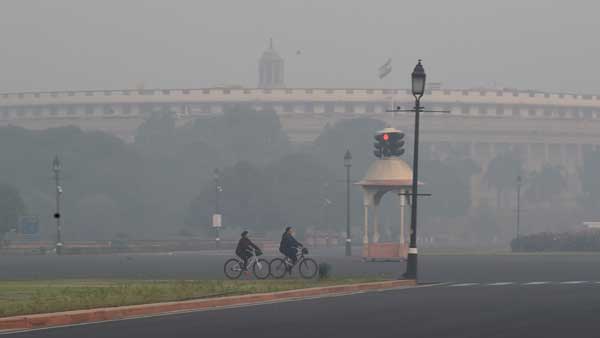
[28, 225]
[216, 220]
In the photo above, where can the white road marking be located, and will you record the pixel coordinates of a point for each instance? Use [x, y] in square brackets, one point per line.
[463, 284]
[536, 283]
[501, 283]
[574, 282]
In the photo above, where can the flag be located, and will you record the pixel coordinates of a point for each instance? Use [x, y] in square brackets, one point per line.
[385, 69]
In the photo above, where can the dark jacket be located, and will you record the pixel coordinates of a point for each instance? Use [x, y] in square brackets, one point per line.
[288, 241]
[245, 245]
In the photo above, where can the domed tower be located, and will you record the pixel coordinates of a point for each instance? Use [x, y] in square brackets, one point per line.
[270, 69]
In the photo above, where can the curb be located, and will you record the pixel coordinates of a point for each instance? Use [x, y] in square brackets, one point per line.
[123, 312]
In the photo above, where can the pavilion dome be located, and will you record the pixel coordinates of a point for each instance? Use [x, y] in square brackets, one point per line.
[388, 172]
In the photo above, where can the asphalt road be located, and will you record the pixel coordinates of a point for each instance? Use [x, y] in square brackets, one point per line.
[480, 296]
[456, 310]
[432, 268]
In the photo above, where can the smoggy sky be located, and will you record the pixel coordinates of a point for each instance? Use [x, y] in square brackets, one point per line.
[83, 44]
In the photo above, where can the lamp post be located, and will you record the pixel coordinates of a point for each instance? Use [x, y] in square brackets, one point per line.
[418, 89]
[217, 214]
[348, 164]
[519, 181]
[56, 167]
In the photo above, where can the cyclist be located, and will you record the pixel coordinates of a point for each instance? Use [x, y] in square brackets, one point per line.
[289, 245]
[245, 247]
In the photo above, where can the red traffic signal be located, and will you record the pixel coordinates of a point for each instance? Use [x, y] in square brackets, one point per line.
[389, 143]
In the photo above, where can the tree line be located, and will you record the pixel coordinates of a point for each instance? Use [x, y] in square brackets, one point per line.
[162, 183]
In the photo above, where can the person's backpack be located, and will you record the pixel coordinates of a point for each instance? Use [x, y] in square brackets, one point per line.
[282, 244]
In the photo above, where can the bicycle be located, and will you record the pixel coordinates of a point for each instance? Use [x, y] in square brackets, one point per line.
[261, 268]
[307, 267]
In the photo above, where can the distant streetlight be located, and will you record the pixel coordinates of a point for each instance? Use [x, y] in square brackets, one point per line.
[217, 214]
[519, 181]
[56, 168]
[348, 164]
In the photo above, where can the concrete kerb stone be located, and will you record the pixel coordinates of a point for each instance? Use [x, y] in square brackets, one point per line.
[24, 322]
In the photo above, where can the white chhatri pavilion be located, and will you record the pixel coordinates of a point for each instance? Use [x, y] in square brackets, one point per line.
[385, 175]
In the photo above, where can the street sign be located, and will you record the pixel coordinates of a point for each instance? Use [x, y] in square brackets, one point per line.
[216, 220]
[29, 225]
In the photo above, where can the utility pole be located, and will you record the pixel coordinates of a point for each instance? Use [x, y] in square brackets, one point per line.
[519, 213]
[56, 168]
[348, 164]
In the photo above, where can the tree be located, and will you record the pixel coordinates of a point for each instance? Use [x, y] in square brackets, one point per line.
[590, 183]
[449, 183]
[355, 135]
[157, 133]
[93, 163]
[11, 208]
[288, 191]
[242, 133]
[502, 173]
[545, 185]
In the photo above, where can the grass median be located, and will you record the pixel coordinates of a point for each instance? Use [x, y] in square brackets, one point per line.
[30, 297]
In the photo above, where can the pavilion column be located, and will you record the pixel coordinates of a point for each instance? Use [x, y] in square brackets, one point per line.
[375, 222]
[366, 225]
[402, 205]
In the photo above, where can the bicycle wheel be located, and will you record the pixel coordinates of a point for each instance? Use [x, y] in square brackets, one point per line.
[261, 269]
[278, 268]
[233, 268]
[308, 268]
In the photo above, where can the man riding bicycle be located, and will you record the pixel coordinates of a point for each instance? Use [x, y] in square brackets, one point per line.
[245, 247]
[289, 245]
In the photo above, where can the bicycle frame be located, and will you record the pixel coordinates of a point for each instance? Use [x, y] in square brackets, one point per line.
[299, 258]
[253, 260]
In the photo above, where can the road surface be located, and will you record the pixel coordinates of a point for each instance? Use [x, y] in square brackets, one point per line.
[438, 268]
[478, 296]
[503, 309]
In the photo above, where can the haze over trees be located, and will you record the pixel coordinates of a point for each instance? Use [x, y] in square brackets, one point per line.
[11, 208]
[162, 183]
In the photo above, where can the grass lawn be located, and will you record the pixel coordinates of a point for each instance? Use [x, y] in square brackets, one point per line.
[28, 297]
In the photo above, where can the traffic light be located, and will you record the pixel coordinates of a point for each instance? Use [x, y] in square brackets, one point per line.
[389, 142]
[379, 146]
[396, 144]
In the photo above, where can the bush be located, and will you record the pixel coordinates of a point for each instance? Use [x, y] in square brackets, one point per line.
[324, 271]
[584, 240]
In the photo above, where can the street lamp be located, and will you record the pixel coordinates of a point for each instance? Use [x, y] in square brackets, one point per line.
[418, 89]
[348, 164]
[418, 81]
[217, 214]
[519, 181]
[56, 168]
